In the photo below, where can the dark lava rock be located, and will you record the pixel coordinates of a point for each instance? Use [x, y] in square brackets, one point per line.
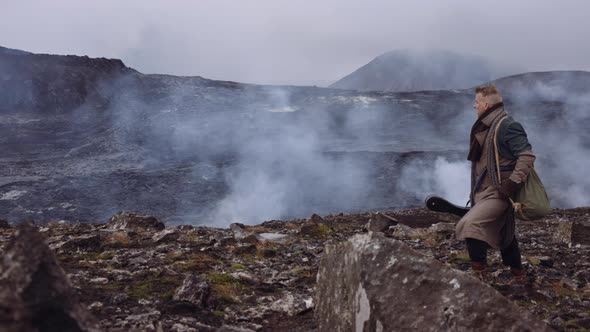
[135, 222]
[35, 294]
[193, 290]
[372, 283]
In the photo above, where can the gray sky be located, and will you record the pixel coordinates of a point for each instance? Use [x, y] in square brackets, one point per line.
[297, 42]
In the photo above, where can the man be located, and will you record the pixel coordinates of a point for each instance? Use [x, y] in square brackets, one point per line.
[490, 221]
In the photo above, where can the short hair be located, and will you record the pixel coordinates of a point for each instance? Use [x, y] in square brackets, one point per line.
[490, 93]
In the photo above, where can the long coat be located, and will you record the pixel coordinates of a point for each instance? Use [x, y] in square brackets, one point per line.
[491, 219]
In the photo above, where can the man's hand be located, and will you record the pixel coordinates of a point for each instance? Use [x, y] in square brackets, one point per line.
[509, 188]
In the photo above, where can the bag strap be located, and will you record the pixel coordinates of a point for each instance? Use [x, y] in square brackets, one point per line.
[517, 206]
[496, 153]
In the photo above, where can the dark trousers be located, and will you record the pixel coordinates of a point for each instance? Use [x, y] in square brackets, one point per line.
[478, 252]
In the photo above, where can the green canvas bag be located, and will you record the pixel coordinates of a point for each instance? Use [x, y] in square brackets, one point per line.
[531, 201]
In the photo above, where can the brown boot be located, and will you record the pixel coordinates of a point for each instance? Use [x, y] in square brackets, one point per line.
[480, 271]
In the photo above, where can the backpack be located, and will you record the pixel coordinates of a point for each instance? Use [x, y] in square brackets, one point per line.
[531, 201]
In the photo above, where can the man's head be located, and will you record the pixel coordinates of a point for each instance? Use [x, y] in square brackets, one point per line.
[486, 96]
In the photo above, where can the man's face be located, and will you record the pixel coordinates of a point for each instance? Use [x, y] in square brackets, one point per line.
[480, 104]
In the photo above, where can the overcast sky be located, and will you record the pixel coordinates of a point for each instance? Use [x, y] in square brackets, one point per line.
[297, 41]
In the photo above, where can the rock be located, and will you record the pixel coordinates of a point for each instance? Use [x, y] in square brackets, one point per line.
[144, 321]
[118, 238]
[291, 304]
[314, 229]
[316, 219]
[231, 328]
[372, 283]
[573, 232]
[35, 294]
[274, 237]
[245, 249]
[95, 306]
[4, 224]
[546, 261]
[439, 232]
[404, 231]
[246, 277]
[119, 298]
[134, 222]
[99, 280]
[380, 222]
[268, 252]
[251, 238]
[84, 242]
[167, 235]
[226, 241]
[193, 290]
[244, 236]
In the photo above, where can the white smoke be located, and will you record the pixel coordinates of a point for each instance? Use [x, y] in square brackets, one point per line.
[443, 178]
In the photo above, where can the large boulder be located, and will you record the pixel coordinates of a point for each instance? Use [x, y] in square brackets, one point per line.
[35, 294]
[373, 283]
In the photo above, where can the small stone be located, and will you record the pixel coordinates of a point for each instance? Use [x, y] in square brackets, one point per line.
[119, 298]
[95, 306]
[557, 322]
[99, 280]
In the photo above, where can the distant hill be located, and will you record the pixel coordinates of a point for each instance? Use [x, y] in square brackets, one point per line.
[400, 71]
[5, 50]
[548, 84]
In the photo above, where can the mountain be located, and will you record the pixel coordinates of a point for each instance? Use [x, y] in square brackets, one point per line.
[5, 50]
[398, 71]
[82, 138]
